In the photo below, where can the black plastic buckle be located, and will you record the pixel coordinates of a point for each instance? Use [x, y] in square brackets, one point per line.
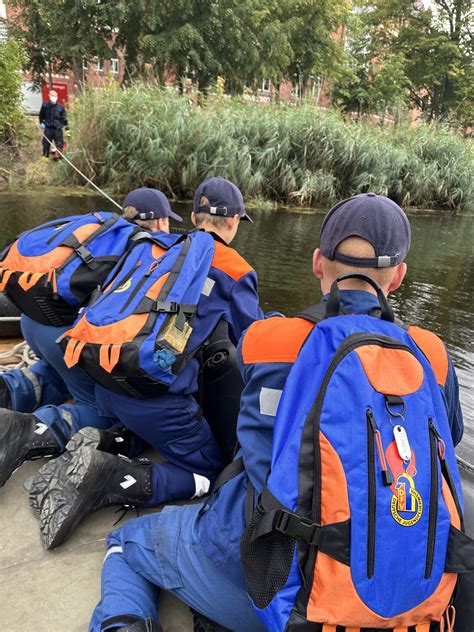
[85, 254]
[296, 527]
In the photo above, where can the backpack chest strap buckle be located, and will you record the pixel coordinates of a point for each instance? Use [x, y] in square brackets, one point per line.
[86, 255]
[295, 526]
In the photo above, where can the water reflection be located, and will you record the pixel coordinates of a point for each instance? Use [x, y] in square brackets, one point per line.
[437, 294]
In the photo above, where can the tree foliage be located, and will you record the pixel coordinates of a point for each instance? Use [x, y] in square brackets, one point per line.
[424, 50]
[12, 57]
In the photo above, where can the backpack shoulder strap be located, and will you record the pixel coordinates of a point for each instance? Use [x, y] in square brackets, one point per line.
[433, 349]
[315, 314]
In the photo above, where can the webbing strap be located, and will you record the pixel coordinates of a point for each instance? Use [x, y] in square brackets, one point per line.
[231, 471]
[249, 501]
[315, 313]
[175, 270]
[289, 524]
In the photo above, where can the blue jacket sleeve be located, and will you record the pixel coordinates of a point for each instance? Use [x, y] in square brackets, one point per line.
[453, 406]
[244, 306]
[263, 386]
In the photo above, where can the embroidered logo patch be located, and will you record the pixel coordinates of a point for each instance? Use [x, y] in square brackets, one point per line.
[406, 504]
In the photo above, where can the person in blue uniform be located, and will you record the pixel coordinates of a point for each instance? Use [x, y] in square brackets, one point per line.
[53, 119]
[37, 417]
[193, 551]
[172, 422]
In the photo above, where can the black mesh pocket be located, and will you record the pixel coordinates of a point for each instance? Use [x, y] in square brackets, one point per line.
[266, 561]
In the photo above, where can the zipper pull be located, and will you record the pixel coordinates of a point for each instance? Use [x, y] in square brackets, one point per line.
[441, 443]
[387, 477]
[152, 267]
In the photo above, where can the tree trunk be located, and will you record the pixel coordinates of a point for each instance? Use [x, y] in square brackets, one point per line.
[78, 72]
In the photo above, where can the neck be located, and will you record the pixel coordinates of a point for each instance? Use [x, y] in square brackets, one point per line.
[220, 233]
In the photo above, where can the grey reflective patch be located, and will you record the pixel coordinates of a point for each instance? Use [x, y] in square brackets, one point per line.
[269, 400]
[35, 383]
[67, 416]
[113, 549]
[207, 287]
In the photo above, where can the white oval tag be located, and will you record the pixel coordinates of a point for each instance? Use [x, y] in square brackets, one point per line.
[403, 445]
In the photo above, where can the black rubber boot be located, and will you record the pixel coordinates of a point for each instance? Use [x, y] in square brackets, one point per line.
[117, 440]
[84, 483]
[5, 397]
[22, 437]
[203, 624]
[135, 625]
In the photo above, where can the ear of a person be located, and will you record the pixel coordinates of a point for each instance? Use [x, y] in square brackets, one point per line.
[398, 277]
[317, 264]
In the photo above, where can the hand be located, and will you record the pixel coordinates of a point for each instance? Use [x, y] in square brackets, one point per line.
[68, 134]
[43, 126]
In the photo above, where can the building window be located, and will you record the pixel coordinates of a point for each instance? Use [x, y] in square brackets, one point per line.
[114, 66]
[3, 31]
[265, 85]
[99, 64]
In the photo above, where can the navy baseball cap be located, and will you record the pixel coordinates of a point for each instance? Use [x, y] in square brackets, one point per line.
[225, 199]
[374, 218]
[150, 204]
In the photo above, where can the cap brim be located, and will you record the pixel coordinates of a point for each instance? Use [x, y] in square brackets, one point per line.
[175, 216]
[246, 218]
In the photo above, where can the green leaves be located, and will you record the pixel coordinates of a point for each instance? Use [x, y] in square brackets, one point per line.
[12, 58]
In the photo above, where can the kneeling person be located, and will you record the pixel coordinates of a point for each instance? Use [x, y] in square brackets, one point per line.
[38, 421]
[194, 551]
[171, 422]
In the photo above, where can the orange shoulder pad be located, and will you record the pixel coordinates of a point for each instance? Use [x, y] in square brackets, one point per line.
[275, 340]
[229, 261]
[434, 350]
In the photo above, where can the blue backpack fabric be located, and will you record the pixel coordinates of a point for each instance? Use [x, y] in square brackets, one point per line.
[133, 336]
[49, 271]
[347, 534]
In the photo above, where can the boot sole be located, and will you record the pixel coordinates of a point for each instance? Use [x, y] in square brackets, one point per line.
[11, 457]
[53, 473]
[65, 506]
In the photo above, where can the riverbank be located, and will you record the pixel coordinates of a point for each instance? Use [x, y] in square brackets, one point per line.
[287, 154]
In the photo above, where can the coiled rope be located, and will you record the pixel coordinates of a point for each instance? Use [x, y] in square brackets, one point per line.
[18, 357]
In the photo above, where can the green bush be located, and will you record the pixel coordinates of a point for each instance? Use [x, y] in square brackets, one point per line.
[12, 57]
[125, 138]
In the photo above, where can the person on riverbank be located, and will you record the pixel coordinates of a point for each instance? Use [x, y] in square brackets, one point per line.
[171, 422]
[52, 120]
[35, 418]
[194, 551]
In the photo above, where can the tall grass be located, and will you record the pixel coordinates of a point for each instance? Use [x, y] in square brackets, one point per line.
[125, 138]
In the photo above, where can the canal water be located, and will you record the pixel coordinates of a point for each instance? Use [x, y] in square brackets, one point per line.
[438, 292]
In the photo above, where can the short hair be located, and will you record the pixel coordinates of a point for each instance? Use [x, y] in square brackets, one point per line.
[358, 247]
[201, 217]
[130, 213]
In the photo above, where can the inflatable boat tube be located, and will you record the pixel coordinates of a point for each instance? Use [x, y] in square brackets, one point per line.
[9, 319]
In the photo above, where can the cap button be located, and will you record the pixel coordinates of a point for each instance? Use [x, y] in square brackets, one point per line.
[372, 194]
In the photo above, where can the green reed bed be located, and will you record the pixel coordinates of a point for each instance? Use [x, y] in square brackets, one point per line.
[125, 138]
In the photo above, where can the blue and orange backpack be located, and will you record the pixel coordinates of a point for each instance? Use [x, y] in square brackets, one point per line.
[49, 271]
[133, 336]
[360, 524]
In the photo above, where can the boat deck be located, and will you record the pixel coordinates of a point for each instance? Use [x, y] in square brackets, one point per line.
[56, 591]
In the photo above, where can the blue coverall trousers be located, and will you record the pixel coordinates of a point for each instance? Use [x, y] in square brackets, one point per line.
[162, 551]
[48, 383]
[173, 426]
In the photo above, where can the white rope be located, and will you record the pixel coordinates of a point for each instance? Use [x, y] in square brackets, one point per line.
[18, 357]
[83, 174]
